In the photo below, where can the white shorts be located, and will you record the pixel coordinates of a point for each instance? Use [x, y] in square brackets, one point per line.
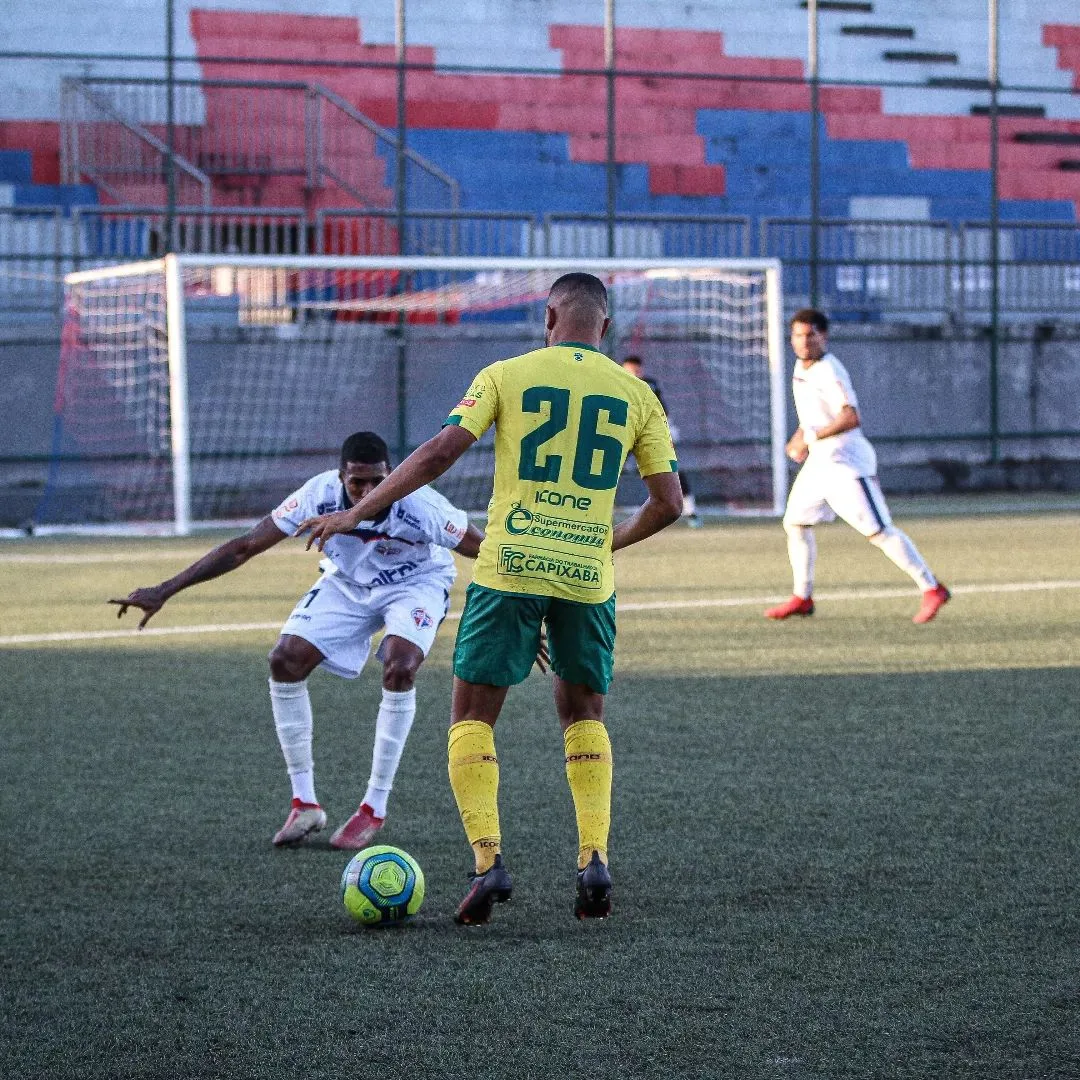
[824, 494]
[340, 620]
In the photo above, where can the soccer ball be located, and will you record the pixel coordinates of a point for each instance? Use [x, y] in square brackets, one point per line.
[382, 884]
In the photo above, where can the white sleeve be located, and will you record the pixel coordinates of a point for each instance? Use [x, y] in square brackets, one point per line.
[297, 507]
[838, 391]
[440, 521]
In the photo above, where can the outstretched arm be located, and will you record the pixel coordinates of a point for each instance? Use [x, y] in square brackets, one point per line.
[660, 509]
[221, 560]
[470, 543]
[424, 464]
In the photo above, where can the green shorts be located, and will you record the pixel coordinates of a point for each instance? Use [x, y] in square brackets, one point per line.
[499, 636]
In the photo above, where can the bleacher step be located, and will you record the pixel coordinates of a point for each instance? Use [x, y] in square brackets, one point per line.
[869, 30]
[920, 56]
[1057, 138]
[956, 82]
[1025, 112]
[860, 6]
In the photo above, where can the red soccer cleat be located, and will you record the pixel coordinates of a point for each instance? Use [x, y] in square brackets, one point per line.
[358, 832]
[797, 605]
[304, 819]
[933, 600]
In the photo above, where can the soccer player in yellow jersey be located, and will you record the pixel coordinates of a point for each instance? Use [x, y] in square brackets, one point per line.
[565, 417]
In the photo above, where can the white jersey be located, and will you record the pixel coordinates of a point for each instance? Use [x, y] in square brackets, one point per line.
[407, 543]
[821, 391]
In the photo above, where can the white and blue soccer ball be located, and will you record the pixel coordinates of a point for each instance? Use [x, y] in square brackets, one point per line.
[382, 884]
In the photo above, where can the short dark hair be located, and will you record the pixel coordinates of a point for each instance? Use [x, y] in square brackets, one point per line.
[582, 290]
[633, 359]
[812, 317]
[364, 448]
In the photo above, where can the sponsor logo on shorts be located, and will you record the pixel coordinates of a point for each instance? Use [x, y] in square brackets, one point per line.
[523, 522]
[422, 619]
[520, 560]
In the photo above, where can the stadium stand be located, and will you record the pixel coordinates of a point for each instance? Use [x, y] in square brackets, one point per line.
[721, 141]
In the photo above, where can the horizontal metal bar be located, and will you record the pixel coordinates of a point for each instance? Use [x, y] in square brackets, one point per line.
[467, 69]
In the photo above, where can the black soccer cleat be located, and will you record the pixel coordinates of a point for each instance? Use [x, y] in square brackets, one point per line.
[488, 889]
[593, 890]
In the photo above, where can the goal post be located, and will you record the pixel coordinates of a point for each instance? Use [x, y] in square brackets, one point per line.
[197, 390]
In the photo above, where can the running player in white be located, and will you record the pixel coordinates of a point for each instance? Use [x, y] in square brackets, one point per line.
[393, 573]
[838, 477]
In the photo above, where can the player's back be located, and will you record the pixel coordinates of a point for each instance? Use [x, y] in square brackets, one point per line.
[566, 417]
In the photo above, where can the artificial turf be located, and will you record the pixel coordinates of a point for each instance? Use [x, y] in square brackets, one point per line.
[842, 847]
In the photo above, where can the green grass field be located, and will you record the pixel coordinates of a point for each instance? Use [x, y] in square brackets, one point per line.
[844, 847]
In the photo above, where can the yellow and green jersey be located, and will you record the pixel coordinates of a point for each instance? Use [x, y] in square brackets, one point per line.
[565, 419]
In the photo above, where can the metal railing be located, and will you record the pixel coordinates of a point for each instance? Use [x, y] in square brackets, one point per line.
[426, 232]
[247, 139]
[870, 271]
[647, 236]
[104, 144]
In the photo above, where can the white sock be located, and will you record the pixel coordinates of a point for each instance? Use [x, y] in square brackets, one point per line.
[391, 730]
[899, 549]
[689, 505]
[292, 718]
[802, 554]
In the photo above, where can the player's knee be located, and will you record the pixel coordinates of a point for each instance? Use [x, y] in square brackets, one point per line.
[286, 666]
[792, 528]
[879, 538]
[399, 673]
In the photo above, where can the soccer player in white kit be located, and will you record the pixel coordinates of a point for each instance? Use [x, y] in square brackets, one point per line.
[838, 477]
[391, 574]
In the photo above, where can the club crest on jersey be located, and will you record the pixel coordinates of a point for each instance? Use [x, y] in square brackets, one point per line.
[422, 619]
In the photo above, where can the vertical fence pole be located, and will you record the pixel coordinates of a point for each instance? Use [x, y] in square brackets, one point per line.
[170, 127]
[609, 69]
[815, 149]
[995, 236]
[402, 197]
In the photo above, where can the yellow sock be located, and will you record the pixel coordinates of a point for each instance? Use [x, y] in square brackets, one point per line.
[588, 769]
[474, 777]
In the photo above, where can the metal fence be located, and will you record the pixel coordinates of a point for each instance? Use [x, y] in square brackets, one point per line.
[921, 272]
[241, 137]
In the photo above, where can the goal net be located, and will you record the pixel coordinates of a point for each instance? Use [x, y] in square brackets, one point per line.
[202, 389]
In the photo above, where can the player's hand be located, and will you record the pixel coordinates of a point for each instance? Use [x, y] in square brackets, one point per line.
[796, 448]
[543, 659]
[149, 601]
[324, 526]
